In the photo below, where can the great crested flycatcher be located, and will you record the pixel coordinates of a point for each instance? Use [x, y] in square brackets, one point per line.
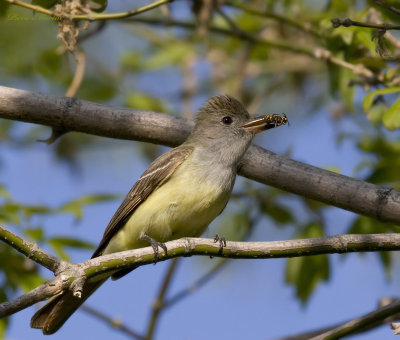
[179, 195]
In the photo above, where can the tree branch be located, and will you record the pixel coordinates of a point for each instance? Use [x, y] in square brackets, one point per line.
[317, 53]
[74, 276]
[336, 22]
[68, 114]
[305, 27]
[367, 321]
[30, 250]
[112, 322]
[159, 303]
[388, 6]
[93, 16]
[357, 327]
[240, 34]
[45, 291]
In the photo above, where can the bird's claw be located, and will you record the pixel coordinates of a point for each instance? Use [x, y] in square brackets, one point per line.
[222, 242]
[154, 244]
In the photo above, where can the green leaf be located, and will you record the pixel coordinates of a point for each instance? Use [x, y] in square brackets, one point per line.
[391, 118]
[346, 90]
[36, 234]
[364, 36]
[376, 112]
[169, 55]
[234, 227]
[4, 192]
[387, 262]
[306, 272]
[50, 63]
[370, 97]
[100, 87]
[366, 225]
[278, 212]
[143, 101]
[59, 250]
[60, 243]
[75, 207]
[3, 11]
[72, 242]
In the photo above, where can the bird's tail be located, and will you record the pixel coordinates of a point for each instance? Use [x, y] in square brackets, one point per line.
[53, 314]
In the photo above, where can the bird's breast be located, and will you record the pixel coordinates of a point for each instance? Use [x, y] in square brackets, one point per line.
[183, 206]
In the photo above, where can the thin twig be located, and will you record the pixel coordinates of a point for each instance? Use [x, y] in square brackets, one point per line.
[358, 69]
[336, 22]
[280, 18]
[113, 322]
[279, 44]
[78, 75]
[235, 28]
[381, 321]
[317, 53]
[196, 285]
[159, 303]
[387, 6]
[372, 319]
[92, 16]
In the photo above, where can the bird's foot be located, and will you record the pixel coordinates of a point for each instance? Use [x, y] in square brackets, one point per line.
[154, 244]
[222, 242]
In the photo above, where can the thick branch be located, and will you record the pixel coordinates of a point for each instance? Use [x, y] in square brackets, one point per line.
[67, 114]
[43, 292]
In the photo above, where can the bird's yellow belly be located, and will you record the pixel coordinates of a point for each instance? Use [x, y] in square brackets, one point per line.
[175, 210]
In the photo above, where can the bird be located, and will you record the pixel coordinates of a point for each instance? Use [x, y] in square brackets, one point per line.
[179, 194]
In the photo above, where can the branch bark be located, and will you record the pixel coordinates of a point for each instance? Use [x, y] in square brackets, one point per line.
[73, 276]
[68, 114]
[366, 322]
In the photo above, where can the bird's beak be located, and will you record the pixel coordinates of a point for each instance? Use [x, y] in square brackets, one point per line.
[266, 122]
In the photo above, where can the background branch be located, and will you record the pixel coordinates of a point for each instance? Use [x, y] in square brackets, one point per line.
[362, 323]
[336, 22]
[374, 322]
[113, 322]
[93, 16]
[67, 114]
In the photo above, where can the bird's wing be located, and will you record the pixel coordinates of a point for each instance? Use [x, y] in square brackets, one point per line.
[155, 175]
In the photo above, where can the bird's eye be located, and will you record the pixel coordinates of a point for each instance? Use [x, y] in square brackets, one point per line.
[227, 120]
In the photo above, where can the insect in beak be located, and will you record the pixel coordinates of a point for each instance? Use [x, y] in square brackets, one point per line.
[266, 122]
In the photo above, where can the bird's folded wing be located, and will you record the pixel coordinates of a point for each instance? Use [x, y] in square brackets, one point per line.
[155, 175]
